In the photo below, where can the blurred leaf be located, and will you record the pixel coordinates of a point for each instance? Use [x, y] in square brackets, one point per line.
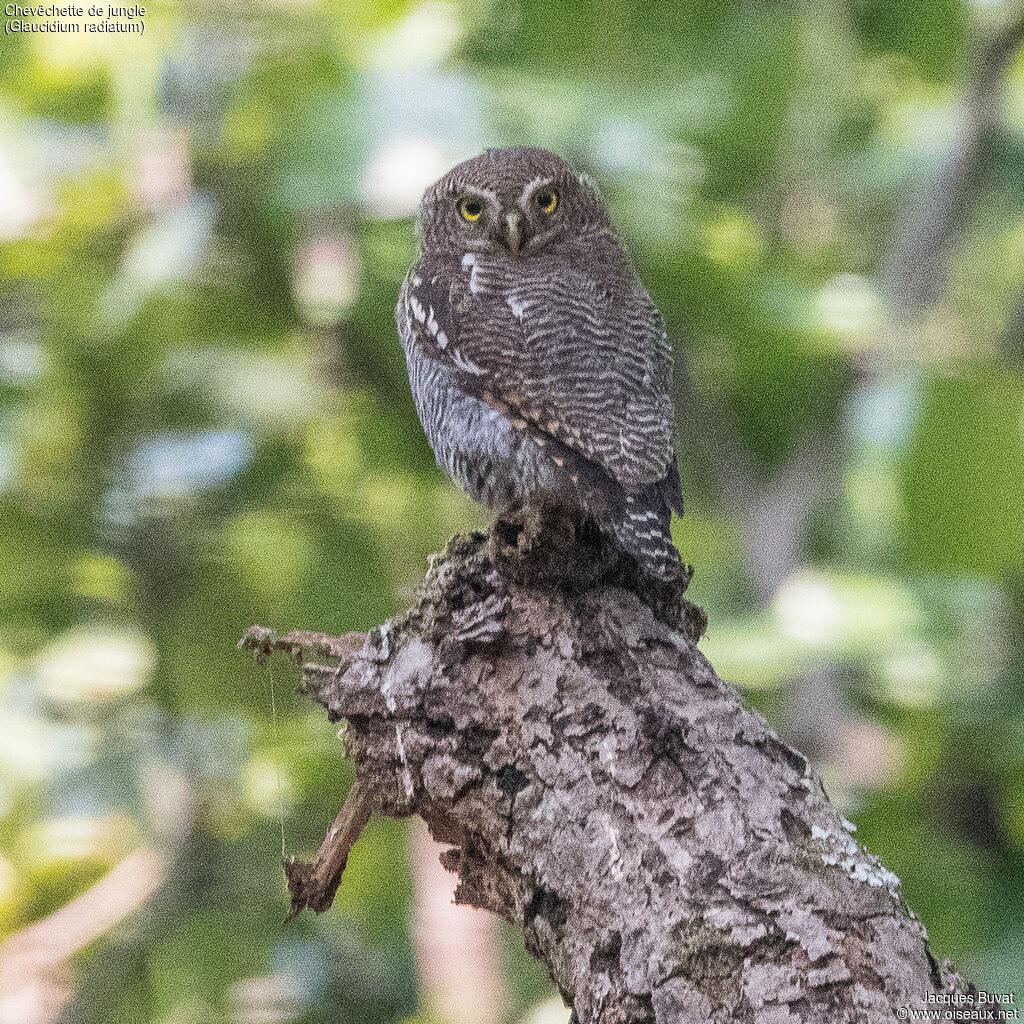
[930, 33]
[962, 479]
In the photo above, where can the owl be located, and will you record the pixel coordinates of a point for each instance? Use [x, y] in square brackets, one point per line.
[539, 365]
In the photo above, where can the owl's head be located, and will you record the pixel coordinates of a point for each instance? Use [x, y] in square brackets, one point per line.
[520, 199]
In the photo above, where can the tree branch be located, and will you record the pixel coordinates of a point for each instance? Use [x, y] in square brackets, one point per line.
[315, 885]
[549, 715]
[936, 211]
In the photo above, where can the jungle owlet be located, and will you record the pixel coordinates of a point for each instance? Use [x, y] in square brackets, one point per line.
[539, 365]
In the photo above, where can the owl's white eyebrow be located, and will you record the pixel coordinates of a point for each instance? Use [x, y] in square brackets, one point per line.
[478, 191]
[532, 186]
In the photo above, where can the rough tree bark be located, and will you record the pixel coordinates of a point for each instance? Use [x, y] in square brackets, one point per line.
[669, 859]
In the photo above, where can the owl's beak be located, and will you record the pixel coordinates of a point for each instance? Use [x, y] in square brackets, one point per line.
[513, 233]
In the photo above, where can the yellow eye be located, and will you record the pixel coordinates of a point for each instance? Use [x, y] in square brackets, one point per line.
[547, 200]
[470, 209]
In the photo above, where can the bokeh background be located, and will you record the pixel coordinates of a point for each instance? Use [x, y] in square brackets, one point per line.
[205, 423]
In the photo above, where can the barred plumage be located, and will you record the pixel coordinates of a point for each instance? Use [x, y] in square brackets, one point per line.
[539, 365]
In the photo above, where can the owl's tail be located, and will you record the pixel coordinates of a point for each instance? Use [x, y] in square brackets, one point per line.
[643, 532]
[639, 523]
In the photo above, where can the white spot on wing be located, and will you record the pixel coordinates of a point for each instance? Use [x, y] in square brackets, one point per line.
[442, 339]
[465, 364]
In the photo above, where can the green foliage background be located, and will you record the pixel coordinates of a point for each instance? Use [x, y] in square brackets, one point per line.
[205, 423]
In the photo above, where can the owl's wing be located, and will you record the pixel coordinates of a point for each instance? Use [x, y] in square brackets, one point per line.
[560, 354]
[606, 344]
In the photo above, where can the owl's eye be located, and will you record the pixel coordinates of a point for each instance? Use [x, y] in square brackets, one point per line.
[547, 200]
[470, 209]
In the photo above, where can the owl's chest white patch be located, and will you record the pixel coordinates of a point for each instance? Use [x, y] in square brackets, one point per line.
[518, 305]
[475, 281]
